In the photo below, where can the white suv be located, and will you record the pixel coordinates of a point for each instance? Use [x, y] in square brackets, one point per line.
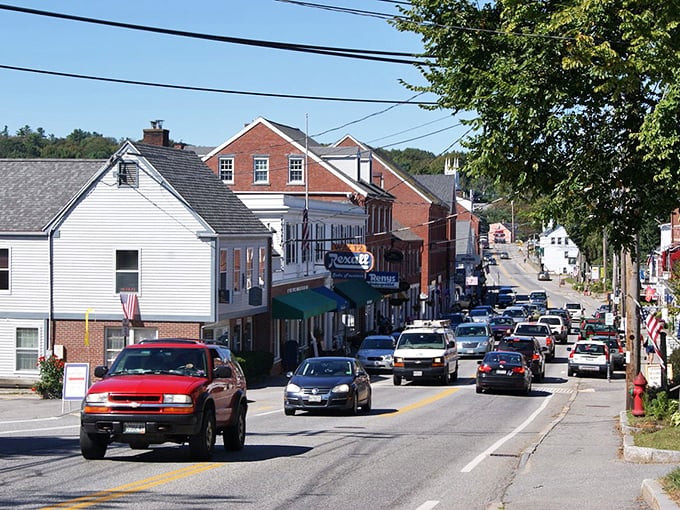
[588, 357]
[426, 349]
[558, 325]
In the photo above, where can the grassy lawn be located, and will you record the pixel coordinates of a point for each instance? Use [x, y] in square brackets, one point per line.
[653, 433]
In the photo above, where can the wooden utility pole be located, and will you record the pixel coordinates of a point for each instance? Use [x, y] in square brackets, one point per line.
[632, 317]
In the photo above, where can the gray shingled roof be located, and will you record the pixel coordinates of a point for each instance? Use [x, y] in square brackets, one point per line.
[203, 190]
[33, 191]
[405, 234]
[440, 185]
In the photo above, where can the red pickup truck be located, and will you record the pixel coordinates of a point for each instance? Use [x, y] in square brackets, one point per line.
[166, 390]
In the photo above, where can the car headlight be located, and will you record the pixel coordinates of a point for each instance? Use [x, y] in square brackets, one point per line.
[97, 398]
[387, 357]
[292, 388]
[171, 398]
[341, 388]
[438, 360]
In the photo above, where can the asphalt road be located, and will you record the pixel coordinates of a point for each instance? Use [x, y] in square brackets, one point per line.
[423, 446]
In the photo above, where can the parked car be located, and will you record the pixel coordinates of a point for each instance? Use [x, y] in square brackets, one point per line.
[376, 352]
[166, 390]
[588, 357]
[504, 255]
[324, 383]
[558, 325]
[501, 326]
[501, 370]
[474, 339]
[617, 355]
[532, 351]
[544, 276]
[539, 332]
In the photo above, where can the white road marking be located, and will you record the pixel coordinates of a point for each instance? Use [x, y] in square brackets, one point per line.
[475, 462]
[428, 505]
[3, 432]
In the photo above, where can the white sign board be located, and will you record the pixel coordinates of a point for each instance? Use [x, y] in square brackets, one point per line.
[609, 319]
[654, 375]
[76, 381]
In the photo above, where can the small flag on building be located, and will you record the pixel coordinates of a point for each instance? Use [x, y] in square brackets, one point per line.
[129, 302]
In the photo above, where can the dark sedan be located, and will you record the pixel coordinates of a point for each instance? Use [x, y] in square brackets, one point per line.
[328, 383]
[500, 370]
[501, 326]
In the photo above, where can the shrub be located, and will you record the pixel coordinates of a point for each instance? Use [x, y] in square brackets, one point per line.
[660, 407]
[256, 364]
[51, 379]
[674, 361]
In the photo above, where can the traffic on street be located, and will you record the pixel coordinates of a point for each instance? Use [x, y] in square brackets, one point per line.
[551, 442]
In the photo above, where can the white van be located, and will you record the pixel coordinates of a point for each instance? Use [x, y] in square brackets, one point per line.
[426, 349]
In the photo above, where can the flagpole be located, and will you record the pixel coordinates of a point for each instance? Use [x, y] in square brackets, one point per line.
[305, 241]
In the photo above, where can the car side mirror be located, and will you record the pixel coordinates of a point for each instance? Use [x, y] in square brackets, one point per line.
[479, 361]
[223, 372]
[100, 371]
[289, 374]
[451, 344]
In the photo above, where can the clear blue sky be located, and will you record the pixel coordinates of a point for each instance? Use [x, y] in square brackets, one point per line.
[59, 104]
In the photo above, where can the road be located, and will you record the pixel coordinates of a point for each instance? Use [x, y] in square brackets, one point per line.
[423, 446]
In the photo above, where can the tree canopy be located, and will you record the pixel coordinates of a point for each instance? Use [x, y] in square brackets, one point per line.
[80, 144]
[575, 101]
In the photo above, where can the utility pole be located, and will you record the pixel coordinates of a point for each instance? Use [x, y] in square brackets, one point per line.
[632, 295]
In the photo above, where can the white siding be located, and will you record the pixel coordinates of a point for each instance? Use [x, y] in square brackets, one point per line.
[29, 278]
[8, 346]
[175, 266]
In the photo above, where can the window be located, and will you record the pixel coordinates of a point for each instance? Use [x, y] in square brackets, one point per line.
[262, 266]
[127, 271]
[319, 236]
[261, 170]
[223, 291]
[26, 348]
[114, 341]
[295, 170]
[552, 240]
[128, 174]
[226, 169]
[250, 268]
[291, 244]
[4, 268]
[566, 254]
[237, 270]
[559, 240]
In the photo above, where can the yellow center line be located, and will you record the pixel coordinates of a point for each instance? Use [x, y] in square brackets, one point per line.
[423, 402]
[122, 490]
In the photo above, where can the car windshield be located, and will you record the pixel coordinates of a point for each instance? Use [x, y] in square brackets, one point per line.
[538, 295]
[377, 343]
[502, 321]
[325, 368]
[421, 341]
[573, 306]
[589, 349]
[478, 313]
[513, 313]
[160, 360]
[550, 320]
[530, 329]
[470, 331]
[516, 345]
[503, 358]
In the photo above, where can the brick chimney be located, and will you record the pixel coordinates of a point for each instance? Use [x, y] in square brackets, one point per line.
[156, 135]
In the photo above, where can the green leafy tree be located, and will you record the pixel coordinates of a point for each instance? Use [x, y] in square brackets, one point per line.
[575, 101]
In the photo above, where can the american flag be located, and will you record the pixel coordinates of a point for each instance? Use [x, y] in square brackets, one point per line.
[129, 302]
[654, 327]
[305, 230]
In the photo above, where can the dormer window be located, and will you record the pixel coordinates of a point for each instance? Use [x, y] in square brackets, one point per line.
[128, 174]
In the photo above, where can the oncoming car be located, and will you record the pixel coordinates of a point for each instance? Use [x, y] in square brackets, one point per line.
[474, 339]
[376, 352]
[324, 383]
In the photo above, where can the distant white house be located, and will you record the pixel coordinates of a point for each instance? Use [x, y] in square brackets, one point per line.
[559, 254]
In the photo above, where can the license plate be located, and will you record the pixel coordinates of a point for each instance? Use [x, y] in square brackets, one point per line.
[134, 428]
[503, 372]
[586, 368]
[315, 398]
[417, 373]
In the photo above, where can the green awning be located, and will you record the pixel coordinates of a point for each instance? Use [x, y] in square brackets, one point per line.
[301, 305]
[358, 292]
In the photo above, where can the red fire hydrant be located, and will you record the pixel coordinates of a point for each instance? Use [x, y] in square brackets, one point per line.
[639, 387]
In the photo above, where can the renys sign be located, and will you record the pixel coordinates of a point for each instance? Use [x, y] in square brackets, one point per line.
[348, 261]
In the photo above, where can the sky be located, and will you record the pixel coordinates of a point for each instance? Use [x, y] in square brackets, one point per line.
[61, 104]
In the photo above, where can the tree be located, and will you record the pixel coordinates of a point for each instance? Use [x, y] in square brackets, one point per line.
[576, 101]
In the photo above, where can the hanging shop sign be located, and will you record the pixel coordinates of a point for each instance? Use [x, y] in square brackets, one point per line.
[383, 280]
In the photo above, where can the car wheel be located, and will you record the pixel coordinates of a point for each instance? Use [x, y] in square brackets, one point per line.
[93, 446]
[528, 390]
[366, 408]
[454, 376]
[570, 372]
[234, 436]
[478, 388]
[396, 380]
[289, 412]
[201, 445]
[354, 410]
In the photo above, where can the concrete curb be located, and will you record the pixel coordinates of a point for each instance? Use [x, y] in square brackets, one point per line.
[651, 491]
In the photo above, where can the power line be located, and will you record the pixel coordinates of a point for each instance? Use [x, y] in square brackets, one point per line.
[373, 55]
[209, 89]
